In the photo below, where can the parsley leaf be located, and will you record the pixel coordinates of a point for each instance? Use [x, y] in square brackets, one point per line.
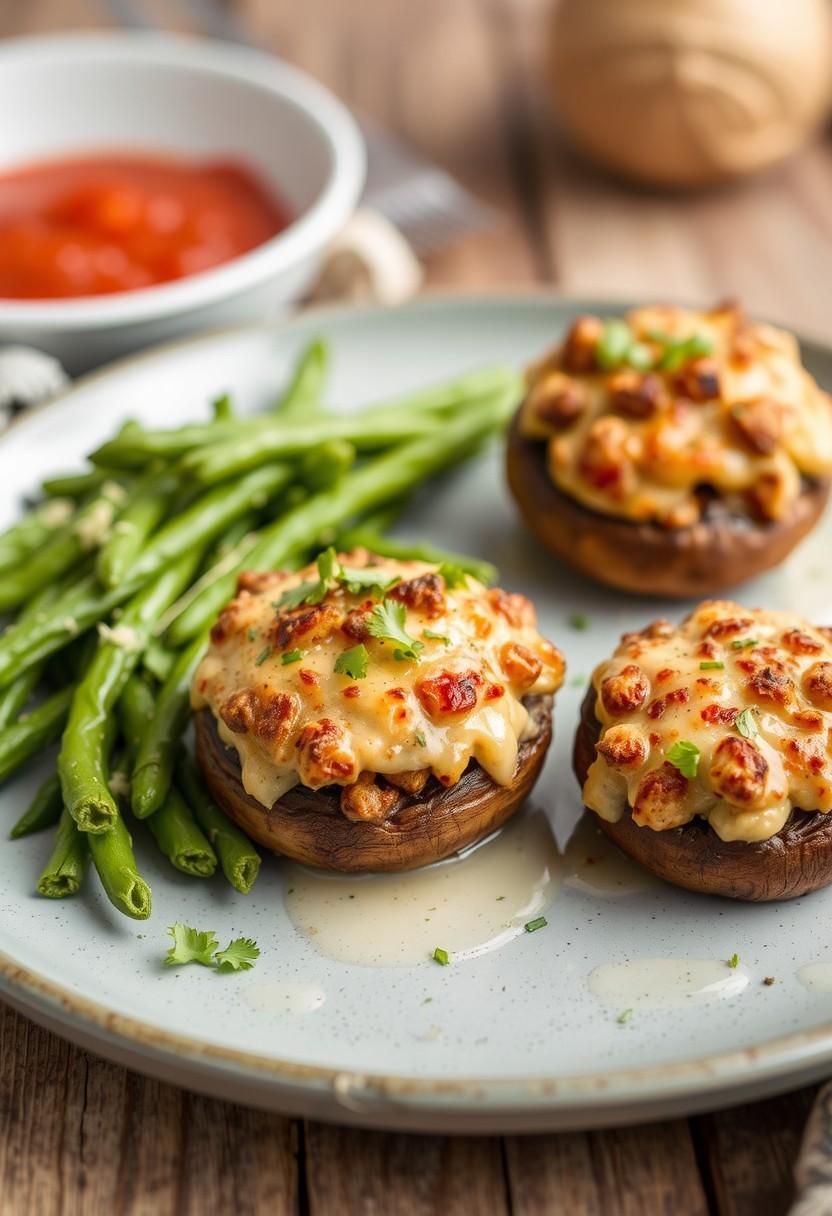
[579, 621]
[679, 350]
[711, 665]
[353, 663]
[371, 578]
[441, 956]
[615, 343]
[453, 575]
[743, 643]
[539, 922]
[420, 738]
[746, 724]
[624, 1017]
[251, 633]
[388, 621]
[262, 656]
[239, 955]
[734, 961]
[291, 656]
[190, 946]
[436, 637]
[329, 569]
[684, 756]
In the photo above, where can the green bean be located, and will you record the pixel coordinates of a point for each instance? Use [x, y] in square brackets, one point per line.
[156, 753]
[403, 550]
[157, 660]
[33, 531]
[74, 485]
[326, 464]
[182, 842]
[113, 857]
[143, 513]
[223, 407]
[82, 760]
[32, 732]
[43, 811]
[85, 603]
[65, 549]
[376, 482]
[231, 458]
[238, 857]
[63, 873]
[231, 538]
[303, 394]
[136, 707]
[134, 451]
[15, 695]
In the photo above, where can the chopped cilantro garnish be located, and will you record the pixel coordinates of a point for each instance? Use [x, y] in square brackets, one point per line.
[291, 656]
[201, 946]
[615, 344]
[579, 620]
[369, 579]
[640, 357]
[539, 922]
[436, 637]
[500, 898]
[679, 350]
[711, 665]
[746, 724]
[441, 956]
[190, 946]
[743, 643]
[251, 633]
[684, 756]
[353, 663]
[262, 656]
[734, 960]
[239, 955]
[453, 575]
[420, 738]
[388, 621]
[624, 1017]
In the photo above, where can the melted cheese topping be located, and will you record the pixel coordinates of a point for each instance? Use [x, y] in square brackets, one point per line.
[301, 721]
[751, 691]
[744, 422]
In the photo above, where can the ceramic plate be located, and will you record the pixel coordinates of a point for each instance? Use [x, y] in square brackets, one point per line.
[345, 1017]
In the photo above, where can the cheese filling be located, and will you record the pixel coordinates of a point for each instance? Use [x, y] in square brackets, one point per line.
[728, 716]
[270, 678]
[654, 419]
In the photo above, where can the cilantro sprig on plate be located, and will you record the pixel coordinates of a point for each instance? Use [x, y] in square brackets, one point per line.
[201, 946]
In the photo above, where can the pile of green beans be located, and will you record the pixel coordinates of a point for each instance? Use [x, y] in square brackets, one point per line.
[111, 584]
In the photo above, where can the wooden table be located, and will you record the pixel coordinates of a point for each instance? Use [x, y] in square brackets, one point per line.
[461, 79]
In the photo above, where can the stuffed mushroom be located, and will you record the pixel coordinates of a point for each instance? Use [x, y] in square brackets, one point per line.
[371, 714]
[704, 749]
[674, 453]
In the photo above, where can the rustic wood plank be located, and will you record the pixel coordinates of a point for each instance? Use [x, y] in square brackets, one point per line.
[749, 1153]
[377, 1174]
[623, 1172]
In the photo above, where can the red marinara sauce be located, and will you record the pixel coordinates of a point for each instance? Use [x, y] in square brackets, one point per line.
[97, 224]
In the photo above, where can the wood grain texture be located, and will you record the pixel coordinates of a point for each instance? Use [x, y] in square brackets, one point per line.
[463, 81]
[375, 1174]
[640, 1171]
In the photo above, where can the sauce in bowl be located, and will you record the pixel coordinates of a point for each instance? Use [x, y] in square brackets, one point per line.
[93, 225]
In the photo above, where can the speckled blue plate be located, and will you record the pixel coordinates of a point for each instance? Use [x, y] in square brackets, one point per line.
[522, 1030]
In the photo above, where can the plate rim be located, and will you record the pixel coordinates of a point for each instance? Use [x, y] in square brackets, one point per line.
[775, 1058]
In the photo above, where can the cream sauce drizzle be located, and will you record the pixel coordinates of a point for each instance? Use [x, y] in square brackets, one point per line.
[817, 977]
[284, 997]
[666, 983]
[468, 905]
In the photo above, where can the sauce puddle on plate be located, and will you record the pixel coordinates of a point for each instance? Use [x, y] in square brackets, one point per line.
[817, 977]
[666, 983]
[284, 997]
[467, 905]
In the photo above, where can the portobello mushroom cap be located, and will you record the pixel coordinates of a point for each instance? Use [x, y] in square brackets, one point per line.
[308, 825]
[797, 860]
[720, 550]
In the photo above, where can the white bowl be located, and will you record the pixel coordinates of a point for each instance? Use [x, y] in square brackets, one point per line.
[86, 92]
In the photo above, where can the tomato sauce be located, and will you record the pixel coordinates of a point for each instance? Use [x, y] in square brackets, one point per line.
[93, 225]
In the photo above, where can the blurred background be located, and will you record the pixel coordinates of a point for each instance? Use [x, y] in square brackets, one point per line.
[658, 148]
